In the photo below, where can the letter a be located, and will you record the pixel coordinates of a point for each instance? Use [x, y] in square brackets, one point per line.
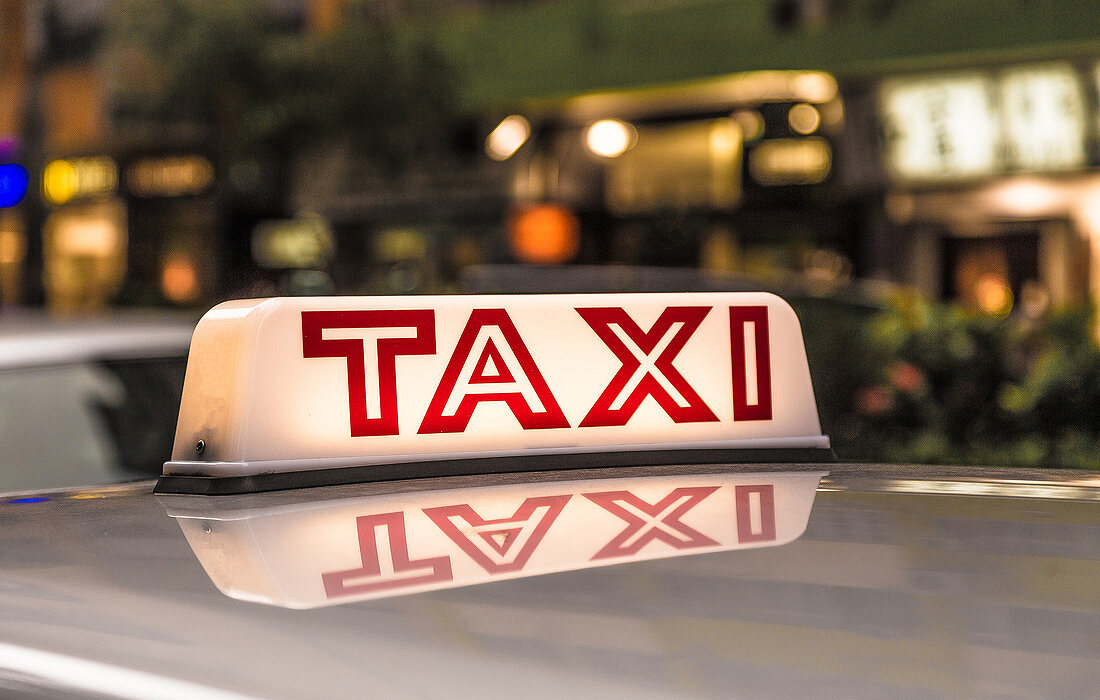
[490, 336]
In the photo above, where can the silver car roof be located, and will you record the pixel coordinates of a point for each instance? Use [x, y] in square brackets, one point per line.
[34, 340]
[910, 581]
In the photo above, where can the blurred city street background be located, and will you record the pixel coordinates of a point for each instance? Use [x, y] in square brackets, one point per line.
[919, 178]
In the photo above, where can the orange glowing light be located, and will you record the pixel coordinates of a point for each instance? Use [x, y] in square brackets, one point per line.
[545, 234]
[993, 294]
[179, 280]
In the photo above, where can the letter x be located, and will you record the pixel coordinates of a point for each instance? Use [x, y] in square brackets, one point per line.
[646, 365]
[652, 521]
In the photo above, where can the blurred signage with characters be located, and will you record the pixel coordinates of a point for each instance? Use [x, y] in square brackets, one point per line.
[1043, 114]
[77, 178]
[972, 125]
[794, 161]
[170, 176]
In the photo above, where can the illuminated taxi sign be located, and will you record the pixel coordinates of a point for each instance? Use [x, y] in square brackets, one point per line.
[439, 384]
[302, 553]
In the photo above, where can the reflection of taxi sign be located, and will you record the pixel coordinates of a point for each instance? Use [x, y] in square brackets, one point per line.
[289, 392]
[305, 551]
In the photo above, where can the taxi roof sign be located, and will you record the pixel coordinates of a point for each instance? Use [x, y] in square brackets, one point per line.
[309, 391]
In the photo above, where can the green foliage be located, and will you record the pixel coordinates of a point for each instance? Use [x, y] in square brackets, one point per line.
[247, 79]
[932, 383]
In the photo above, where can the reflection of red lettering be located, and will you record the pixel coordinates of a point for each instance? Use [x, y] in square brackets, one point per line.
[314, 344]
[378, 573]
[648, 522]
[514, 379]
[504, 544]
[755, 513]
[752, 364]
[647, 368]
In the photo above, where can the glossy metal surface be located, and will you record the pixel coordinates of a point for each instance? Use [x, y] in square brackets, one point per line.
[907, 581]
[32, 340]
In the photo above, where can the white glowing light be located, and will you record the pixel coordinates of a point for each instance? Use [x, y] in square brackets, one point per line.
[1043, 112]
[508, 137]
[1027, 197]
[610, 138]
[940, 128]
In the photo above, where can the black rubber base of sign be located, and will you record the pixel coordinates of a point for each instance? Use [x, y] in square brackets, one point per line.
[229, 485]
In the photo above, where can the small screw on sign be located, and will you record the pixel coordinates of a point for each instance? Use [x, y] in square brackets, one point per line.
[200, 446]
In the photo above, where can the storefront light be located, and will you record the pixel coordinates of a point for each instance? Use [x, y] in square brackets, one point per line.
[544, 234]
[13, 246]
[1043, 116]
[993, 294]
[13, 184]
[508, 137]
[804, 118]
[65, 180]
[90, 237]
[801, 161]
[179, 280]
[611, 138]
[1027, 197]
[940, 127]
[751, 123]
[814, 87]
[170, 176]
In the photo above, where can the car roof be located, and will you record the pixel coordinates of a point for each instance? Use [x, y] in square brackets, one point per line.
[35, 340]
[918, 581]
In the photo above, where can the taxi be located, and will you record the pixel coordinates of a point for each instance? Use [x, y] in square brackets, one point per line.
[598, 495]
[110, 385]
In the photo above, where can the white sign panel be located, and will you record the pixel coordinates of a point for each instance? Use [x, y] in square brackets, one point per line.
[306, 554]
[309, 383]
[940, 128]
[1043, 111]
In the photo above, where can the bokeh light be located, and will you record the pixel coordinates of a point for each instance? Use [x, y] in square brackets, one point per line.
[178, 279]
[544, 234]
[804, 118]
[611, 138]
[993, 294]
[507, 137]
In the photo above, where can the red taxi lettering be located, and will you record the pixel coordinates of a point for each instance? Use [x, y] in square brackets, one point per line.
[648, 522]
[755, 513]
[647, 369]
[385, 533]
[490, 338]
[314, 344]
[491, 362]
[752, 364]
[504, 544]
